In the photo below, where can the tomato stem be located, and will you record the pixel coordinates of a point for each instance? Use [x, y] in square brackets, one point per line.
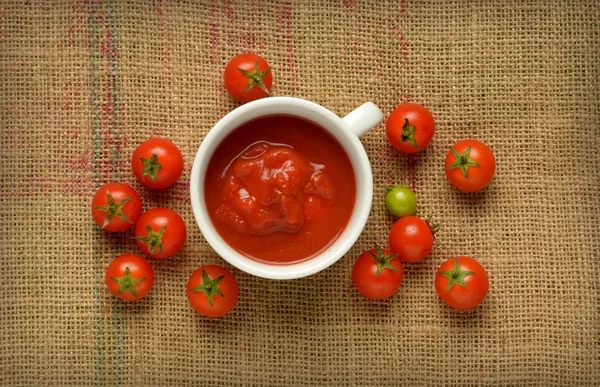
[151, 167]
[456, 276]
[255, 77]
[463, 161]
[153, 239]
[434, 227]
[113, 208]
[127, 283]
[383, 261]
[408, 133]
[209, 286]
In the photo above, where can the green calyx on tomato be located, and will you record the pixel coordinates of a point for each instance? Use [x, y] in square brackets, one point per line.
[456, 276]
[408, 133]
[210, 287]
[255, 77]
[383, 261]
[463, 161]
[434, 227]
[127, 283]
[113, 208]
[153, 239]
[151, 166]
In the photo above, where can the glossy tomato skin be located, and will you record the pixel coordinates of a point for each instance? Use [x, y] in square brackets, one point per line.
[158, 171]
[366, 281]
[167, 235]
[478, 177]
[227, 286]
[413, 120]
[130, 270]
[412, 238]
[124, 199]
[459, 297]
[236, 82]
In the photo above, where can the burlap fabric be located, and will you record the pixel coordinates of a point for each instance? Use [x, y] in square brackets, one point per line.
[83, 82]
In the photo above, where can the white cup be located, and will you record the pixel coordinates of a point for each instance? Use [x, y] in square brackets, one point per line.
[345, 130]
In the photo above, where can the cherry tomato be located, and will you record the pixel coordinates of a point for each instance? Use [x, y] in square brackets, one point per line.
[462, 282]
[212, 291]
[412, 238]
[410, 128]
[377, 273]
[401, 201]
[116, 207]
[248, 77]
[470, 165]
[160, 233]
[129, 277]
[157, 163]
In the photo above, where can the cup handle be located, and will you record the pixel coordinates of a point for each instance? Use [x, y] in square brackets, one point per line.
[363, 118]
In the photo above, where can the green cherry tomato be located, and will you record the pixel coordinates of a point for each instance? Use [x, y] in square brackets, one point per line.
[401, 201]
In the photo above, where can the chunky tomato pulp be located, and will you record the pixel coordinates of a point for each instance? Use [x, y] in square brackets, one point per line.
[280, 189]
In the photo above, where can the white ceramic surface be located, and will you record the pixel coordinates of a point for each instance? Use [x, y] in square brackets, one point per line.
[346, 130]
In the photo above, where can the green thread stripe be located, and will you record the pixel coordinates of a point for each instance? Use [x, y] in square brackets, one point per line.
[114, 123]
[114, 86]
[94, 83]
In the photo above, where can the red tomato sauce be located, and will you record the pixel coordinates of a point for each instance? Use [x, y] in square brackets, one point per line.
[280, 189]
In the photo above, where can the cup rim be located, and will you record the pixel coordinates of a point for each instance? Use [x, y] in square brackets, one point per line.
[332, 124]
